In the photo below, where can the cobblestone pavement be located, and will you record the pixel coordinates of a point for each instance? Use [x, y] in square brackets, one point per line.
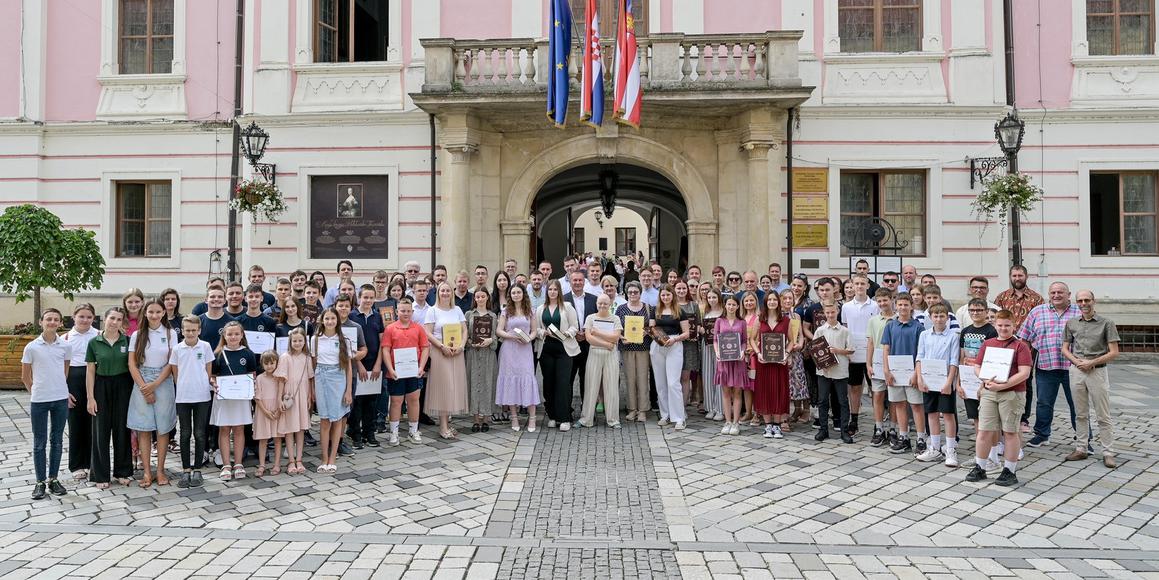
[641, 502]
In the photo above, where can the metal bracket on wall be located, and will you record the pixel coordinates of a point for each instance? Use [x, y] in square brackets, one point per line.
[982, 167]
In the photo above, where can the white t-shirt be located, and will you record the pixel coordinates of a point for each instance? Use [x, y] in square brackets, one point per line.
[192, 380]
[420, 313]
[441, 318]
[48, 377]
[327, 351]
[80, 344]
[161, 339]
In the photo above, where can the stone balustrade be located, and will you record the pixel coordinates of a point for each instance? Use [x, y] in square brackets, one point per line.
[669, 61]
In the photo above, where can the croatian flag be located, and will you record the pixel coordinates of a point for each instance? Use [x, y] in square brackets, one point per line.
[559, 47]
[627, 68]
[592, 93]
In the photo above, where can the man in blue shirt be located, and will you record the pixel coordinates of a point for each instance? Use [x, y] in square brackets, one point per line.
[360, 428]
[900, 338]
[650, 295]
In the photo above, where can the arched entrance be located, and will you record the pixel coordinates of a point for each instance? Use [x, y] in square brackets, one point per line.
[648, 217]
[652, 166]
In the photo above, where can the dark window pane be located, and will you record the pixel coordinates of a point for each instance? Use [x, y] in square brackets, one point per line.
[1139, 234]
[132, 239]
[328, 12]
[132, 201]
[1100, 35]
[134, 17]
[1129, 6]
[855, 27]
[1100, 6]
[163, 17]
[1135, 34]
[1104, 213]
[133, 56]
[162, 55]
[857, 192]
[900, 30]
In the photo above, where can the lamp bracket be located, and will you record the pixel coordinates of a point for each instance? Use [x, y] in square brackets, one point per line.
[268, 171]
[982, 167]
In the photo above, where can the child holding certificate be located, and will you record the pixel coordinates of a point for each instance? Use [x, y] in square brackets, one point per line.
[191, 364]
[731, 374]
[1001, 399]
[332, 384]
[833, 379]
[935, 370]
[404, 335]
[232, 358]
[296, 371]
[899, 340]
[267, 410]
[481, 361]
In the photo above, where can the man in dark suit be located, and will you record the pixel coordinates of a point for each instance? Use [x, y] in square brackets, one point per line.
[585, 305]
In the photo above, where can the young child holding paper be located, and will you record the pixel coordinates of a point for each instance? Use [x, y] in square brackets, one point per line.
[935, 370]
[900, 339]
[232, 358]
[1001, 400]
[399, 335]
[971, 338]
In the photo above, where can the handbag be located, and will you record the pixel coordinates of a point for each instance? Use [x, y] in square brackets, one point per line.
[287, 402]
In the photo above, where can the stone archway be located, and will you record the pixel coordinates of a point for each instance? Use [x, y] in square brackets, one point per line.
[516, 224]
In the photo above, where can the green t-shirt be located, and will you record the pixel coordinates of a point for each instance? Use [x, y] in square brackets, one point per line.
[875, 329]
[111, 359]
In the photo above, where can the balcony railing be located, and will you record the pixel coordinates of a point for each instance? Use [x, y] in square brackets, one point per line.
[673, 61]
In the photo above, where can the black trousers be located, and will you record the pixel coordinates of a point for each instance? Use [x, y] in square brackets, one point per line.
[109, 426]
[558, 373]
[362, 412]
[194, 421]
[80, 423]
[826, 388]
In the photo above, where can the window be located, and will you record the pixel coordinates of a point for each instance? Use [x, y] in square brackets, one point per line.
[146, 36]
[143, 219]
[577, 241]
[1116, 27]
[351, 30]
[879, 25]
[608, 13]
[898, 197]
[1123, 214]
[625, 241]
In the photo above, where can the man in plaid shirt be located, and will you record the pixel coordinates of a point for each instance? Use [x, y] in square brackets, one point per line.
[1043, 331]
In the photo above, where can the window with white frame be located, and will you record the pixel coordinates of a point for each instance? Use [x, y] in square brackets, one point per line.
[1120, 27]
[880, 25]
[1123, 214]
[143, 219]
[896, 196]
[351, 30]
[145, 37]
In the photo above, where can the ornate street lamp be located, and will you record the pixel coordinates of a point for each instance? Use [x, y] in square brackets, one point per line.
[253, 141]
[1009, 132]
[609, 181]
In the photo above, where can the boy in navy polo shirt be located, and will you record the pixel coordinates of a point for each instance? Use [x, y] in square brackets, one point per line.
[361, 426]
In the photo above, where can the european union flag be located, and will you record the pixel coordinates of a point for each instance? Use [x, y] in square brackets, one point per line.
[559, 47]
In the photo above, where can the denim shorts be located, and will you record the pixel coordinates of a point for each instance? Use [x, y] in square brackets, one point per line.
[161, 416]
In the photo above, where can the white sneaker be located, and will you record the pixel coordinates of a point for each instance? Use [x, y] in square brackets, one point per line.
[217, 458]
[393, 440]
[930, 454]
[992, 466]
[724, 428]
[565, 426]
[768, 432]
[680, 425]
[777, 432]
[718, 417]
[1021, 453]
[1001, 448]
[551, 424]
[664, 422]
[415, 437]
[951, 458]
[734, 429]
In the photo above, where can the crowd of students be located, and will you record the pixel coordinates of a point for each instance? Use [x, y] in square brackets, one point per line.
[359, 356]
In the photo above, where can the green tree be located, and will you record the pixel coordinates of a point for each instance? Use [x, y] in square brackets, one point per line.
[37, 252]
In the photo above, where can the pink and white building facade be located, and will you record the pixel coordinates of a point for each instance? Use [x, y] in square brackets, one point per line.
[116, 114]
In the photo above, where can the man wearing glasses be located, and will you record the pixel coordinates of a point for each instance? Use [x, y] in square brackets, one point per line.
[889, 281]
[1090, 342]
[979, 288]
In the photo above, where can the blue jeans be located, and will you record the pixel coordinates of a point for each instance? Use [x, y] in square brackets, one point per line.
[1047, 384]
[56, 413]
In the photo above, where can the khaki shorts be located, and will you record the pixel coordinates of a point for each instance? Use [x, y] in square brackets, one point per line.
[1000, 411]
[906, 394]
[877, 385]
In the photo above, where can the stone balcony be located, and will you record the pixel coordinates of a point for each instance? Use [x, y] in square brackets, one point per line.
[724, 71]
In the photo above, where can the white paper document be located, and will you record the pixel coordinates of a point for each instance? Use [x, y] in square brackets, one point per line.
[860, 347]
[934, 373]
[259, 342]
[902, 367]
[282, 344]
[406, 363]
[351, 339]
[369, 386]
[969, 380]
[996, 363]
[235, 387]
[878, 364]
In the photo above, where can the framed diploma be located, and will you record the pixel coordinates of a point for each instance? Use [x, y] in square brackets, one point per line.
[708, 330]
[481, 329]
[406, 362]
[731, 346]
[453, 335]
[634, 329]
[235, 388]
[822, 355]
[996, 364]
[659, 335]
[773, 347]
[259, 342]
[902, 367]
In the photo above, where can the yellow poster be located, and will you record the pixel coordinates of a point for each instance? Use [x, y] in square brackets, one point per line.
[810, 235]
[810, 208]
[634, 329]
[453, 335]
[810, 180]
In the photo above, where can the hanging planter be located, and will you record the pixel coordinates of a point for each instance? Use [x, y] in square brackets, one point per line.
[1002, 194]
[261, 199]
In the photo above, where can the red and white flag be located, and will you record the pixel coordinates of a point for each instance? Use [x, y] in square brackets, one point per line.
[627, 68]
[592, 85]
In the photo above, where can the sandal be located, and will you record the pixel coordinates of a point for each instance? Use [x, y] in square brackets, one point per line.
[125, 481]
[238, 472]
[260, 471]
[146, 481]
[786, 428]
[277, 469]
[162, 479]
[103, 485]
[226, 472]
[447, 434]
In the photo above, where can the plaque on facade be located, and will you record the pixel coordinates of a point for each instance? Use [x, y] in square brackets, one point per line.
[348, 216]
[810, 235]
[810, 180]
[811, 208]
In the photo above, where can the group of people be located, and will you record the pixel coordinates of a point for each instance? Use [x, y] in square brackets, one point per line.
[247, 369]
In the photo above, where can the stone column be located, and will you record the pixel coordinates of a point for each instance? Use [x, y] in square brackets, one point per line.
[517, 240]
[454, 231]
[758, 242]
[702, 244]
